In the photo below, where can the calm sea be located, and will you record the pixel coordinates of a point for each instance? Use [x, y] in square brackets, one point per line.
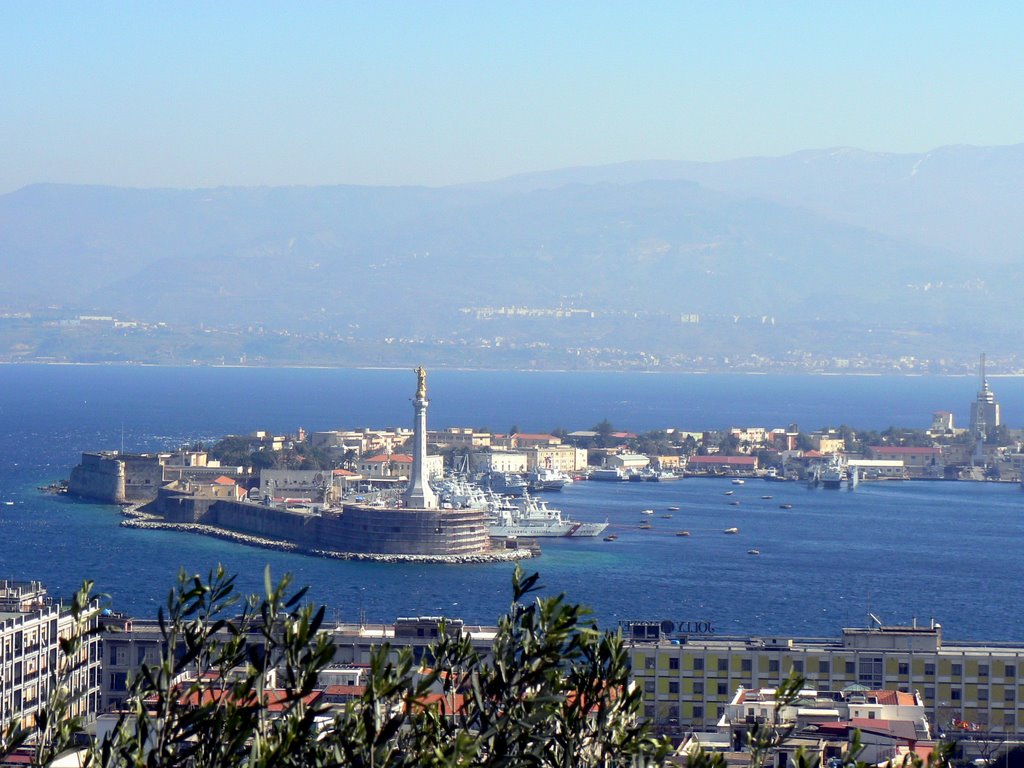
[947, 551]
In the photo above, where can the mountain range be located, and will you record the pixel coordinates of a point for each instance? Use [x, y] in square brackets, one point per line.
[842, 234]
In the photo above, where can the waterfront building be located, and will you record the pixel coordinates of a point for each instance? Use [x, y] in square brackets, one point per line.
[31, 663]
[459, 437]
[397, 466]
[117, 478]
[688, 680]
[919, 461]
[985, 408]
[721, 464]
[627, 461]
[559, 458]
[513, 462]
[942, 423]
[827, 442]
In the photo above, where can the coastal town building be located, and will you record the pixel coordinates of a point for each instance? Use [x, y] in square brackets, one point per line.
[31, 662]
[918, 461]
[459, 437]
[626, 461]
[514, 462]
[560, 458]
[689, 679]
[718, 464]
[985, 413]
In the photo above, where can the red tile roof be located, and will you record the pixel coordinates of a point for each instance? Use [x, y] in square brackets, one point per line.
[398, 458]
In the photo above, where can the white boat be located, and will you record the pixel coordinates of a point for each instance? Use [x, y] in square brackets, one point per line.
[532, 518]
[738, 481]
[833, 474]
[459, 493]
[731, 530]
[545, 479]
[646, 511]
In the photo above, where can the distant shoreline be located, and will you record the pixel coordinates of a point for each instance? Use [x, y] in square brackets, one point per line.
[461, 369]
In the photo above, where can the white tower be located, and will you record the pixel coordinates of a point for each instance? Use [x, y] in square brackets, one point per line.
[419, 494]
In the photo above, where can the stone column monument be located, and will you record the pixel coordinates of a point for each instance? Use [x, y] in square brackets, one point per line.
[419, 494]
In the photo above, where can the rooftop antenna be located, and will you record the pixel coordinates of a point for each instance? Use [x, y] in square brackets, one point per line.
[875, 619]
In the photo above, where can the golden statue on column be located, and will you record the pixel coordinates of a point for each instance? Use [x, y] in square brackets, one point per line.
[421, 383]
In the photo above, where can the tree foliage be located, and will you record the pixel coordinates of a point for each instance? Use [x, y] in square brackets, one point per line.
[551, 691]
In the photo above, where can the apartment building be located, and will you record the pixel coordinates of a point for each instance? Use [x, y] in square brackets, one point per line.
[31, 664]
[688, 680]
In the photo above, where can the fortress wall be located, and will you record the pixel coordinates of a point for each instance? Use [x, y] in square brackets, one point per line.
[406, 531]
[100, 477]
[143, 476]
[371, 530]
[267, 522]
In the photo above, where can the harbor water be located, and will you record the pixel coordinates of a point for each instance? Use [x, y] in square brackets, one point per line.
[899, 550]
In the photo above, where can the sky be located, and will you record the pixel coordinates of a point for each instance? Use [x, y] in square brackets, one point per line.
[203, 94]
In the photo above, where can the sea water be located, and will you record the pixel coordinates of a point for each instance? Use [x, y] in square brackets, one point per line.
[898, 550]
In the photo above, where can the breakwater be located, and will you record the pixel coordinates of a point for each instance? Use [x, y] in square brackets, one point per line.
[137, 517]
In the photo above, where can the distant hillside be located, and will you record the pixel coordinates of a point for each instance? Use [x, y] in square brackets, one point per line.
[409, 258]
[963, 199]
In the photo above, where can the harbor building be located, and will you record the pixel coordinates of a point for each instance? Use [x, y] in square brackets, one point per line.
[689, 679]
[31, 663]
[985, 408]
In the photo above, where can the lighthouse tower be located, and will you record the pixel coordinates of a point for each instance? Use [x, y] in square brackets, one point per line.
[419, 494]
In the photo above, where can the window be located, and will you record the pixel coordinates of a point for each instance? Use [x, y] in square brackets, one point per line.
[723, 689]
[698, 665]
[1008, 721]
[983, 670]
[929, 669]
[698, 712]
[698, 688]
[673, 663]
[723, 665]
[929, 694]
[673, 686]
[954, 694]
[648, 662]
[904, 668]
[746, 665]
[851, 668]
[1011, 670]
[869, 671]
[958, 670]
[872, 715]
[798, 666]
[649, 686]
[773, 665]
[983, 694]
[649, 711]
[823, 667]
[1009, 694]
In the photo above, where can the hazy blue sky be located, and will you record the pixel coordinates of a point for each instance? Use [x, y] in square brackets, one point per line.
[203, 94]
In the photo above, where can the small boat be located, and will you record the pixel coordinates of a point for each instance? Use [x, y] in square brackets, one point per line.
[8, 503]
[753, 552]
[682, 533]
[666, 517]
[766, 497]
[731, 530]
[738, 481]
[646, 511]
[672, 509]
[785, 506]
[734, 503]
[645, 526]
[728, 493]
[612, 537]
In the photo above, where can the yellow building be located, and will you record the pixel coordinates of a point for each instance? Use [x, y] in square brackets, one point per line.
[688, 680]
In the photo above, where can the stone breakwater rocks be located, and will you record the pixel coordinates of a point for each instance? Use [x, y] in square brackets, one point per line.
[137, 519]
